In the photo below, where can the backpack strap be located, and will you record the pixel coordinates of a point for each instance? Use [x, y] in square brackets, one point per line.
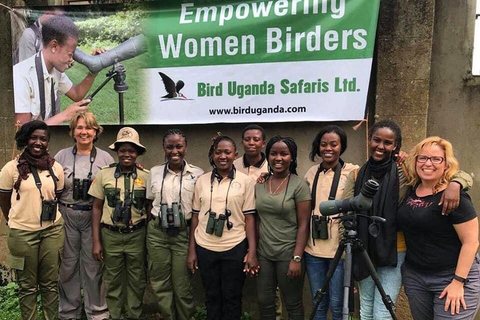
[36, 30]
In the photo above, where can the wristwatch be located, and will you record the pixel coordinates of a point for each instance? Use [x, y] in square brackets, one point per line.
[297, 258]
[460, 279]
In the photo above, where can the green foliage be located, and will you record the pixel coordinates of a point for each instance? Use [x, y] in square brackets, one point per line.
[9, 305]
[115, 28]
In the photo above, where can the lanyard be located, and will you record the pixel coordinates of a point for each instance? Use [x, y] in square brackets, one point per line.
[333, 189]
[93, 155]
[41, 88]
[38, 182]
[211, 193]
[181, 181]
[133, 175]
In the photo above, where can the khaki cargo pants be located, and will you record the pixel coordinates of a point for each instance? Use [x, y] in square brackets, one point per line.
[35, 257]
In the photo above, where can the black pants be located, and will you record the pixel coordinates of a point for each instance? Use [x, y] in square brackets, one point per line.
[223, 278]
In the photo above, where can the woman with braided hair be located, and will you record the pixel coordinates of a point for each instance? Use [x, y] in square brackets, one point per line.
[283, 206]
[222, 229]
[170, 189]
[29, 187]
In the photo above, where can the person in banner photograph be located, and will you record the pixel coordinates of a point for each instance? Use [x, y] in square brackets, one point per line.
[34, 99]
[30, 41]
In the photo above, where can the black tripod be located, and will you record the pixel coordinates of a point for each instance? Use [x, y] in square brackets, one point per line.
[350, 242]
[118, 74]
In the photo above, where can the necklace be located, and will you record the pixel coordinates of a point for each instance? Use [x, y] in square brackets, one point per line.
[278, 187]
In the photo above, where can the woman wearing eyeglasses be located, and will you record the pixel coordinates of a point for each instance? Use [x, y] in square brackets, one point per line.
[441, 272]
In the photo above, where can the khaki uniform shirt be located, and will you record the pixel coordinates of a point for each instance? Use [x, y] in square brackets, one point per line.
[103, 188]
[171, 187]
[252, 171]
[240, 201]
[326, 248]
[25, 212]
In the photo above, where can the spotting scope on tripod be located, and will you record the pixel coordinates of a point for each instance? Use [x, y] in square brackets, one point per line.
[129, 49]
[348, 209]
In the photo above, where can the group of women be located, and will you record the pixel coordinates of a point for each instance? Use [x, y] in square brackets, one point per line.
[227, 224]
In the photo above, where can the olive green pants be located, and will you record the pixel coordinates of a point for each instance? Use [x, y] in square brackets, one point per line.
[35, 257]
[169, 274]
[124, 272]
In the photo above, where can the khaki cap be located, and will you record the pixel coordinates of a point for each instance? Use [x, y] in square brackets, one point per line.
[130, 135]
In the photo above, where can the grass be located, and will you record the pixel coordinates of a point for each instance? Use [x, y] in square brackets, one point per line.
[105, 103]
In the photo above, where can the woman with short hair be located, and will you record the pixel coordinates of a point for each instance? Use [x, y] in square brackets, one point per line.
[170, 189]
[222, 230]
[29, 191]
[79, 270]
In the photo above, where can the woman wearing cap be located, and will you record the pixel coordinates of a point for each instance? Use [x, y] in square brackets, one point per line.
[78, 268]
[170, 195]
[119, 215]
[29, 187]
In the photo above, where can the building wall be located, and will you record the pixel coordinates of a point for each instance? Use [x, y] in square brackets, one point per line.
[455, 95]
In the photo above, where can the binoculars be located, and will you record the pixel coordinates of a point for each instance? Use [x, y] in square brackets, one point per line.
[216, 226]
[122, 212]
[319, 227]
[171, 217]
[49, 210]
[80, 189]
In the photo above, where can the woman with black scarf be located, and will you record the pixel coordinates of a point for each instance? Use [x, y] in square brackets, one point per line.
[387, 250]
[29, 187]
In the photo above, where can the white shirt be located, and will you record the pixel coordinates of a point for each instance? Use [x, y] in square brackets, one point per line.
[26, 90]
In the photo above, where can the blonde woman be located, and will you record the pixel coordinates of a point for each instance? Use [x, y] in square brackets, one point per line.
[441, 273]
[79, 270]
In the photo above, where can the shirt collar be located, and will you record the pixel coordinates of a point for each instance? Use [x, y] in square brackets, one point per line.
[256, 165]
[216, 175]
[186, 168]
[342, 163]
[46, 74]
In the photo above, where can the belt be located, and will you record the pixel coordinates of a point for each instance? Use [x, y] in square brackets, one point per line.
[188, 222]
[83, 207]
[128, 229]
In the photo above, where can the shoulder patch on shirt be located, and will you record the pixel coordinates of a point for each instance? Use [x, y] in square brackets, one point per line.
[236, 185]
[139, 182]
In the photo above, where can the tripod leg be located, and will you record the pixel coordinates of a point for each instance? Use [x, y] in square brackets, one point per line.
[387, 301]
[347, 280]
[323, 290]
[120, 108]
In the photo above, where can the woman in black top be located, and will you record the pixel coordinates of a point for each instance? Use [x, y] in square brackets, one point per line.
[441, 272]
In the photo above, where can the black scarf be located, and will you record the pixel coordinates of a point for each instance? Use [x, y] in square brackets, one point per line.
[383, 249]
[25, 161]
